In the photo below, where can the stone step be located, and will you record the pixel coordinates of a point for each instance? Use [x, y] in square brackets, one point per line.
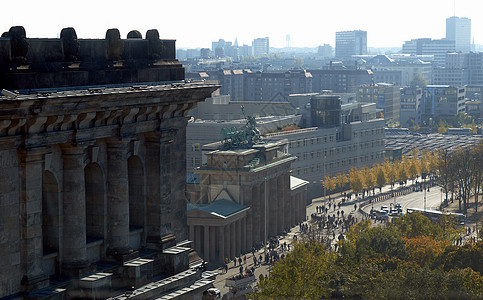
[190, 291]
[95, 286]
[137, 272]
[48, 293]
[163, 286]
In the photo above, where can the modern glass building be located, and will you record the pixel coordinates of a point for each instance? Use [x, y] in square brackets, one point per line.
[459, 30]
[348, 43]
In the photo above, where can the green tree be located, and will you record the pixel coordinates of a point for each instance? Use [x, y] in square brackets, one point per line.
[329, 183]
[341, 180]
[306, 272]
[355, 180]
[418, 81]
[380, 177]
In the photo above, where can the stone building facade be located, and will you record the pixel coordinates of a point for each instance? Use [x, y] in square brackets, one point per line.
[92, 182]
[243, 196]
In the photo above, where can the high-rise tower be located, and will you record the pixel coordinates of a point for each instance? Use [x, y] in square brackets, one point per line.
[348, 43]
[459, 30]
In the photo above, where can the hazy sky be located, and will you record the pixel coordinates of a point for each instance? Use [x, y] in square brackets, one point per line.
[195, 23]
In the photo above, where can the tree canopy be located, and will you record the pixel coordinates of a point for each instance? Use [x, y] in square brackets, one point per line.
[411, 258]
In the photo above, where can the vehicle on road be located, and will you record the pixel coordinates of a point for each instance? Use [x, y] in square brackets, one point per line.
[380, 214]
[436, 215]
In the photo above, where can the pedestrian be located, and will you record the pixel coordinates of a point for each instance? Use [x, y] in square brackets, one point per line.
[254, 261]
[226, 268]
[240, 260]
[245, 260]
[234, 262]
[241, 270]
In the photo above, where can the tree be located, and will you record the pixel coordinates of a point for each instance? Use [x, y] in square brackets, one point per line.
[476, 165]
[329, 183]
[355, 180]
[380, 177]
[306, 272]
[369, 180]
[418, 81]
[445, 171]
[413, 170]
[411, 258]
[442, 128]
[341, 180]
[298, 62]
[390, 172]
[401, 168]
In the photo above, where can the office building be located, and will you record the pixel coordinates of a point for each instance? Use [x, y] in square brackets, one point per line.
[325, 50]
[442, 101]
[427, 46]
[261, 46]
[411, 106]
[357, 141]
[459, 30]
[348, 43]
[339, 81]
[386, 96]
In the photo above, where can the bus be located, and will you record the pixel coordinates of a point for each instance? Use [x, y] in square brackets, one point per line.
[435, 215]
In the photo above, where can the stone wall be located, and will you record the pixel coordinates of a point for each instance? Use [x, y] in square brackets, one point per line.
[37, 63]
[85, 169]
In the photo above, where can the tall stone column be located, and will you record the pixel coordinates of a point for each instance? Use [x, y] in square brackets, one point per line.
[213, 238]
[31, 219]
[293, 210]
[192, 233]
[74, 210]
[243, 235]
[178, 179]
[227, 248]
[232, 240]
[198, 239]
[220, 234]
[206, 243]
[303, 208]
[158, 188]
[247, 232]
[118, 198]
[264, 215]
[273, 207]
[281, 204]
[287, 213]
[254, 227]
[238, 237]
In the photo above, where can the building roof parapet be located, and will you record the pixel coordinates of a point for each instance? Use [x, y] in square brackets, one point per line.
[69, 61]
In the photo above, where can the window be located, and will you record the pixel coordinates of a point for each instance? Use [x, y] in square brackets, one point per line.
[196, 147]
[195, 161]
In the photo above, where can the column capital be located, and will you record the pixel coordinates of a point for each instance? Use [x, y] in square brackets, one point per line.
[75, 148]
[120, 143]
[161, 136]
[32, 155]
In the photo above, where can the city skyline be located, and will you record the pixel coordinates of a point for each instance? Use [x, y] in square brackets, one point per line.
[309, 24]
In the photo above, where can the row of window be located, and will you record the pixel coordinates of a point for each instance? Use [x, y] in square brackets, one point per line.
[311, 141]
[336, 164]
[338, 150]
[368, 132]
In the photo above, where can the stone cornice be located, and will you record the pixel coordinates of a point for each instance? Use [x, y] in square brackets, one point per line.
[81, 115]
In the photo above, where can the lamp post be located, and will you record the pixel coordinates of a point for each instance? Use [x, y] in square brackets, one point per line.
[325, 174]
[265, 244]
